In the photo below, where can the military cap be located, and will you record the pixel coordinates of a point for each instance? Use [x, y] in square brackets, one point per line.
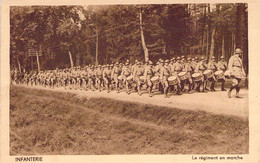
[182, 56]
[188, 59]
[136, 61]
[178, 58]
[202, 58]
[222, 57]
[167, 61]
[150, 62]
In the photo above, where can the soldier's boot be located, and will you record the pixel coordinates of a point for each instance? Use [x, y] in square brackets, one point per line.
[190, 86]
[237, 92]
[205, 86]
[127, 88]
[139, 90]
[117, 87]
[182, 85]
[212, 87]
[99, 89]
[165, 90]
[151, 91]
[198, 87]
[230, 90]
[223, 86]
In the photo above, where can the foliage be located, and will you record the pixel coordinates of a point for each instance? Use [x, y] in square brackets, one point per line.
[112, 32]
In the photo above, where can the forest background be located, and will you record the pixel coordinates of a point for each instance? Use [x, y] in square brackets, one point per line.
[49, 37]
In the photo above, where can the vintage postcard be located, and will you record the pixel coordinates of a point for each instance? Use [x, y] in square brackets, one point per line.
[130, 81]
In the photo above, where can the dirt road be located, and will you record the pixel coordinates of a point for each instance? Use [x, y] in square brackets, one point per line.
[214, 102]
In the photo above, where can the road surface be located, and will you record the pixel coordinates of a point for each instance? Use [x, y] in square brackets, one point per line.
[214, 102]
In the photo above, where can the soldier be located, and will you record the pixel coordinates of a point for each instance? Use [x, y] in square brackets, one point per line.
[73, 78]
[126, 72]
[64, 77]
[213, 67]
[158, 73]
[189, 69]
[237, 72]
[77, 77]
[115, 73]
[148, 74]
[26, 78]
[137, 74]
[91, 78]
[201, 67]
[165, 74]
[222, 65]
[84, 77]
[99, 74]
[177, 68]
[53, 80]
[193, 66]
[107, 77]
[134, 66]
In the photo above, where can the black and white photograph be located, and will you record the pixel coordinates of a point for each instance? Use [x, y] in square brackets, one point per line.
[129, 79]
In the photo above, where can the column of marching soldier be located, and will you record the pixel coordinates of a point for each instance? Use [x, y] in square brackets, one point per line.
[166, 75]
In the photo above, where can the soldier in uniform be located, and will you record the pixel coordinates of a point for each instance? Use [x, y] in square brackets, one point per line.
[91, 78]
[137, 74]
[165, 74]
[64, 77]
[107, 77]
[177, 68]
[237, 73]
[193, 66]
[213, 67]
[26, 78]
[84, 77]
[148, 74]
[73, 78]
[222, 65]
[115, 73]
[126, 72]
[189, 69]
[99, 74]
[201, 67]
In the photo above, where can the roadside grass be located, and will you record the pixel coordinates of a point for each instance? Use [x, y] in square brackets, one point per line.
[49, 122]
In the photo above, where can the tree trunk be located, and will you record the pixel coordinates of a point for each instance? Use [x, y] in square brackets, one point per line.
[207, 43]
[71, 60]
[212, 44]
[223, 47]
[19, 65]
[96, 46]
[38, 61]
[146, 54]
